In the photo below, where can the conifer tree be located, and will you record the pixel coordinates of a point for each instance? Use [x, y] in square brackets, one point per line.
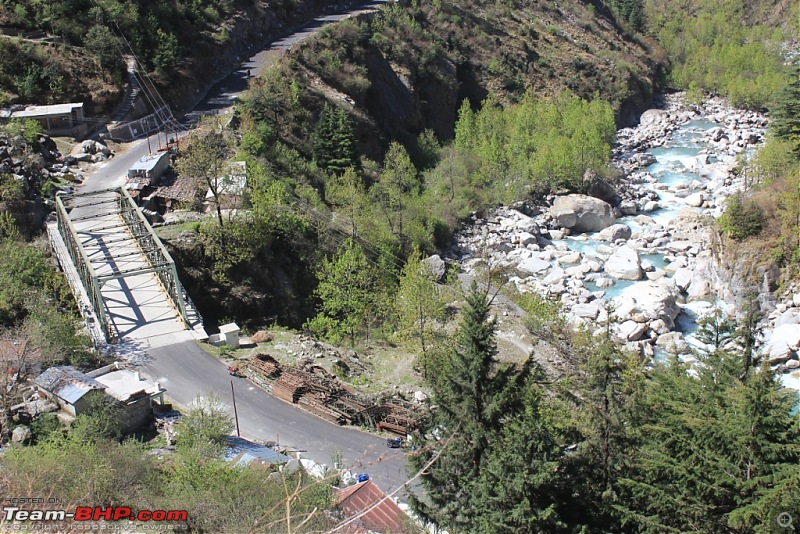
[473, 401]
[785, 112]
[334, 142]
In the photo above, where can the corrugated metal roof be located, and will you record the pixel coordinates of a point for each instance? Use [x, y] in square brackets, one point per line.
[245, 451]
[146, 163]
[385, 517]
[67, 383]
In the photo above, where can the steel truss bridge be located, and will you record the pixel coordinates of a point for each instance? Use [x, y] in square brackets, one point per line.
[126, 273]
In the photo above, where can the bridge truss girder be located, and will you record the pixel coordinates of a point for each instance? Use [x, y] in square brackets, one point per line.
[148, 245]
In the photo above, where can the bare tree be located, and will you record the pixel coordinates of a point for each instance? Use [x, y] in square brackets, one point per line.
[19, 359]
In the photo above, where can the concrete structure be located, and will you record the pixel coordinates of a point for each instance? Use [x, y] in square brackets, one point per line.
[228, 335]
[124, 279]
[71, 389]
[53, 118]
[149, 168]
[74, 392]
[377, 512]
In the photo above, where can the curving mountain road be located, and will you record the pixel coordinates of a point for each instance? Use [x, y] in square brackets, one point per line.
[186, 370]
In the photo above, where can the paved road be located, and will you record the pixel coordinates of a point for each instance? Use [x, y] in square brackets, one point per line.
[226, 91]
[186, 370]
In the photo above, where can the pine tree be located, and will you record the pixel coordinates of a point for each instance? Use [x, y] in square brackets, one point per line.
[607, 386]
[785, 112]
[474, 399]
[334, 142]
[519, 489]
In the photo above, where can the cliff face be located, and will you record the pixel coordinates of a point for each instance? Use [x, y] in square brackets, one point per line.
[744, 272]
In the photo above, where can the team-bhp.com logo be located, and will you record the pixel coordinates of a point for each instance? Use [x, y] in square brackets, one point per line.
[94, 513]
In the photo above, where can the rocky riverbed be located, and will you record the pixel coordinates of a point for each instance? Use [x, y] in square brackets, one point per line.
[637, 251]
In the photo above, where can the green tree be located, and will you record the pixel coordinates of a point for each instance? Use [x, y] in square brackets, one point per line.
[421, 308]
[741, 219]
[104, 45]
[347, 291]
[334, 142]
[520, 487]
[785, 112]
[206, 425]
[474, 399]
[395, 189]
[604, 399]
[206, 160]
[717, 453]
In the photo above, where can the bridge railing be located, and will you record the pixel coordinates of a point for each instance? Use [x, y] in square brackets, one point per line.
[86, 273]
[151, 247]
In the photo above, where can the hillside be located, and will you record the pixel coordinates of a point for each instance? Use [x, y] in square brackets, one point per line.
[68, 50]
[409, 68]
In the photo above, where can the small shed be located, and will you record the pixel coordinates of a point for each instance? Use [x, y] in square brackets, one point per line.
[230, 187]
[149, 167]
[70, 388]
[134, 393]
[373, 511]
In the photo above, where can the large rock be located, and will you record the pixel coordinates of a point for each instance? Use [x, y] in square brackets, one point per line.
[20, 435]
[436, 267]
[616, 231]
[672, 343]
[591, 214]
[631, 330]
[783, 343]
[682, 278]
[589, 310]
[652, 116]
[648, 301]
[695, 200]
[564, 217]
[532, 266]
[624, 264]
[599, 188]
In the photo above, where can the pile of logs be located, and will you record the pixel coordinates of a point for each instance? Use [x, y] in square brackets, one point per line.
[321, 393]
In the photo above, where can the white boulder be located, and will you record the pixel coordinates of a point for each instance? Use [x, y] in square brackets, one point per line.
[624, 264]
[591, 214]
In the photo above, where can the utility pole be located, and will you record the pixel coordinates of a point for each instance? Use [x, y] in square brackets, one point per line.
[235, 413]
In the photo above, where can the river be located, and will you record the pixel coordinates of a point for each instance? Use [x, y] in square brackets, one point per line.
[678, 165]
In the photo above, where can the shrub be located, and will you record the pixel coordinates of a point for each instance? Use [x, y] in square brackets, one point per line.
[741, 220]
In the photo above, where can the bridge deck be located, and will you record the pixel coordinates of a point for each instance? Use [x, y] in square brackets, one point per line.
[136, 305]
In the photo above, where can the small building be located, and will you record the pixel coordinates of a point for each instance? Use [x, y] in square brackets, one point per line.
[71, 389]
[375, 510]
[74, 391]
[136, 395]
[55, 118]
[230, 188]
[228, 335]
[149, 168]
